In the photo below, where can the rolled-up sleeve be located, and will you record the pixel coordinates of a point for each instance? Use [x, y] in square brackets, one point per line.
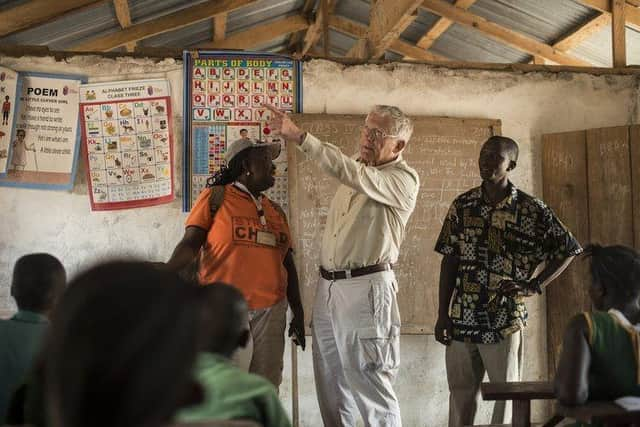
[395, 187]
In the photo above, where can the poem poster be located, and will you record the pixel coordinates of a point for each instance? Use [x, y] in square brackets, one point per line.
[224, 99]
[43, 150]
[9, 89]
[127, 133]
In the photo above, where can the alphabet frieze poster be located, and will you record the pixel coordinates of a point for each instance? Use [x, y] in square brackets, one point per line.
[9, 89]
[225, 94]
[44, 146]
[127, 133]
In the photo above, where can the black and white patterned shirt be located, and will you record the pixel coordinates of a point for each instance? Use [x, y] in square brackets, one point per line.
[495, 243]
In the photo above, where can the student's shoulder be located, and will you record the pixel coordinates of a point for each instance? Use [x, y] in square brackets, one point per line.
[468, 198]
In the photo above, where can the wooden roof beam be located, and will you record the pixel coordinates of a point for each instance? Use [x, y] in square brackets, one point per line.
[440, 26]
[219, 27]
[37, 12]
[163, 24]
[296, 38]
[583, 32]
[618, 33]
[260, 34]
[359, 31]
[315, 29]
[500, 33]
[631, 13]
[387, 20]
[124, 18]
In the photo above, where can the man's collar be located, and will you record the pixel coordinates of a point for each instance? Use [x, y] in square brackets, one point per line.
[509, 202]
[243, 189]
[386, 165]
[30, 317]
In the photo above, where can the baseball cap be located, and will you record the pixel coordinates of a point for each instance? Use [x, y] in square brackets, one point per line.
[242, 144]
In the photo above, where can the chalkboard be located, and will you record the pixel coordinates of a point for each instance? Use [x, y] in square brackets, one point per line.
[443, 150]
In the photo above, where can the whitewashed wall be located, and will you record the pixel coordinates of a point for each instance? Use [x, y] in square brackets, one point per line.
[528, 105]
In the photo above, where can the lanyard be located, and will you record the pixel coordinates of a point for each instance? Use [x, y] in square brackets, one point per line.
[240, 186]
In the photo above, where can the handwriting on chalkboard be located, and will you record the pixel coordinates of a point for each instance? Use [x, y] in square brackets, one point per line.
[444, 152]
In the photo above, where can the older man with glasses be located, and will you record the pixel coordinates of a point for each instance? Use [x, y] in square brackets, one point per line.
[356, 322]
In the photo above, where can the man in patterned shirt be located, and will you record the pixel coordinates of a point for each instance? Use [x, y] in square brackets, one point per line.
[493, 240]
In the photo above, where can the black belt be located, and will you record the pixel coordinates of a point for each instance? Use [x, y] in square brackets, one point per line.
[347, 274]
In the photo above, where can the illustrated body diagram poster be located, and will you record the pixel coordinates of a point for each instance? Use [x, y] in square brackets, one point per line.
[225, 93]
[127, 134]
[43, 151]
[9, 89]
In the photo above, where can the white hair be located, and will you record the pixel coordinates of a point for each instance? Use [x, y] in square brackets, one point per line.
[402, 126]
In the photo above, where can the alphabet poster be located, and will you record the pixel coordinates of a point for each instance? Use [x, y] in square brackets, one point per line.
[224, 99]
[9, 89]
[127, 133]
[44, 146]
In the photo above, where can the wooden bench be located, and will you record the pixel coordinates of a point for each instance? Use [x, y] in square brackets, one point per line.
[521, 393]
[604, 413]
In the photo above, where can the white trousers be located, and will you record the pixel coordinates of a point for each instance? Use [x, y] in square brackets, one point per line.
[466, 366]
[265, 349]
[356, 350]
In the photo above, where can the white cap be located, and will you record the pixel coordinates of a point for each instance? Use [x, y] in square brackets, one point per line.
[242, 144]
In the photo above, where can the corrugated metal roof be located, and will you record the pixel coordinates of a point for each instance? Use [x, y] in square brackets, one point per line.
[543, 20]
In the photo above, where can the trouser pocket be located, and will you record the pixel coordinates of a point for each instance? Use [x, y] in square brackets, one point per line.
[379, 351]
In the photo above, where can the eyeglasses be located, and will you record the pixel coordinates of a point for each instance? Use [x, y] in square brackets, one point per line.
[374, 134]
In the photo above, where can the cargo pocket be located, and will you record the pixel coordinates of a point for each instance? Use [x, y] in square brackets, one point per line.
[378, 351]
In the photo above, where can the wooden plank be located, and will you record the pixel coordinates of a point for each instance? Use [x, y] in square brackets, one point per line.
[610, 200]
[500, 33]
[634, 143]
[583, 32]
[315, 29]
[564, 178]
[124, 18]
[359, 49]
[160, 25]
[296, 38]
[219, 27]
[325, 27]
[441, 26]
[632, 14]
[359, 31]
[522, 390]
[387, 20]
[259, 34]
[538, 60]
[618, 30]
[36, 12]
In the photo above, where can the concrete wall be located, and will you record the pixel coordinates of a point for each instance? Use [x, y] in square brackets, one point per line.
[528, 105]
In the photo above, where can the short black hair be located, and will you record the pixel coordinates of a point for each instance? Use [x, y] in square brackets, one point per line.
[616, 268]
[38, 281]
[509, 144]
[122, 346]
[224, 317]
[243, 130]
[22, 131]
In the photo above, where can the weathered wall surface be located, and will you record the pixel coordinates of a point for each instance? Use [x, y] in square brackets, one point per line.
[528, 105]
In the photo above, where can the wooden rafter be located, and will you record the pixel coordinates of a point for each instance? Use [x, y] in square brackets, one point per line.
[618, 30]
[296, 38]
[260, 34]
[124, 18]
[163, 24]
[315, 29]
[387, 20]
[441, 25]
[583, 32]
[359, 31]
[634, 3]
[36, 12]
[631, 13]
[500, 33]
[219, 27]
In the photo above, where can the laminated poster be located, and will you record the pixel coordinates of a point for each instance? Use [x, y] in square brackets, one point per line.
[9, 89]
[45, 141]
[224, 99]
[127, 133]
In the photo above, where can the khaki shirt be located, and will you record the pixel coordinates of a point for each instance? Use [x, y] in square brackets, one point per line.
[369, 213]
